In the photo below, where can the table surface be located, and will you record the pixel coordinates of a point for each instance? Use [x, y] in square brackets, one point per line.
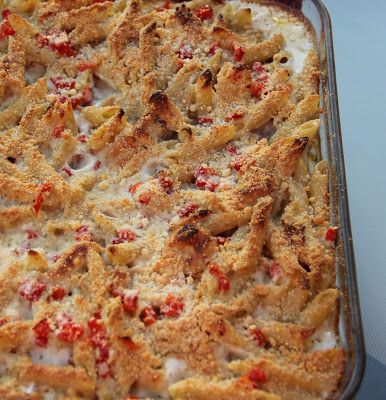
[359, 31]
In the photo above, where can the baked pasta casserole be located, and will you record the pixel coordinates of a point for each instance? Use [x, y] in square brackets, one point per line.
[164, 211]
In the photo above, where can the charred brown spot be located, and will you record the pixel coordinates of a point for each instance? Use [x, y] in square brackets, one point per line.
[32, 253]
[204, 213]
[185, 15]
[190, 235]
[58, 232]
[12, 160]
[186, 233]
[159, 99]
[294, 233]
[299, 144]
[305, 266]
[150, 28]
[134, 7]
[121, 113]
[73, 260]
[207, 75]
[112, 249]
[218, 29]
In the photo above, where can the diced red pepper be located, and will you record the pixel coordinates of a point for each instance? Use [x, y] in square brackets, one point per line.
[185, 52]
[58, 131]
[213, 48]
[5, 27]
[234, 116]
[41, 331]
[172, 307]
[100, 342]
[97, 165]
[204, 13]
[238, 52]
[5, 13]
[259, 68]
[148, 315]
[57, 293]
[232, 149]
[61, 83]
[70, 332]
[124, 235]
[205, 120]
[223, 282]
[82, 233]
[130, 303]
[54, 42]
[257, 376]
[133, 188]
[38, 202]
[187, 210]
[331, 234]
[257, 89]
[166, 183]
[67, 171]
[237, 163]
[82, 138]
[31, 234]
[205, 171]
[129, 343]
[31, 289]
[259, 336]
[144, 199]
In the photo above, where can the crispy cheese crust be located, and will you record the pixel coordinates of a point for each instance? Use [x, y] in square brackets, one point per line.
[164, 211]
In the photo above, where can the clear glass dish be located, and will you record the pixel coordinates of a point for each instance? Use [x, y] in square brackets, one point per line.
[350, 324]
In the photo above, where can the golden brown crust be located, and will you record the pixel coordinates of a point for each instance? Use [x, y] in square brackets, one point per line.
[164, 213]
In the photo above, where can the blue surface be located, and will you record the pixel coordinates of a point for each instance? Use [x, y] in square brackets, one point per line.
[359, 29]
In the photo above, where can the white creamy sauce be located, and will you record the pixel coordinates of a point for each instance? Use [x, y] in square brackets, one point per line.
[84, 126]
[324, 340]
[18, 309]
[29, 389]
[50, 356]
[102, 90]
[175, 370]
[34, 72]
[298, 41]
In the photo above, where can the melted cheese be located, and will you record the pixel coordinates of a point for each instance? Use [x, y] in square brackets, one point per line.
[298, 40]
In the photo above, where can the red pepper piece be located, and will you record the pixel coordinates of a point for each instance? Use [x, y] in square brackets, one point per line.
[172, 307]
[187, 210]
[205, 13]
[41, 331]
[331, 234]
[44, 188]
[166, 183]
[257, 376]
[70, 332]
[238, 52]
[31, 289]
[129, 303]
[57, 293]
[259, 336]
[148, 316]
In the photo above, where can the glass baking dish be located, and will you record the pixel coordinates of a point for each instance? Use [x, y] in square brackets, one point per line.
[350, 324]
